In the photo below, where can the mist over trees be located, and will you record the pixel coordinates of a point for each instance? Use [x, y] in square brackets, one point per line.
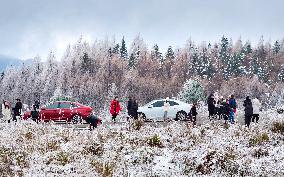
[90, 72]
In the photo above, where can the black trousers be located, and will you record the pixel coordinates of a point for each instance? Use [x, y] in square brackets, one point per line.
[114, 116]
[255, 117]
[248, 119]
[193, 119]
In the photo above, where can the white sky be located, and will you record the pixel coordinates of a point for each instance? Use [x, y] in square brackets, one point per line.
[32, 27]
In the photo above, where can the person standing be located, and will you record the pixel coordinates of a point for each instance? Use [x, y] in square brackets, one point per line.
[256, 105]
[233, 106]
[132, 108]
[129, 107]
[193, 113]
[6, 111]
[115, 108]
[225, 111]
[248, 111]
[135, 109]
[166, 108]
[17, 109]
[211, 106]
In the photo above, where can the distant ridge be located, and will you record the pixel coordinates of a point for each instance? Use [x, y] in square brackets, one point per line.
[6, 61]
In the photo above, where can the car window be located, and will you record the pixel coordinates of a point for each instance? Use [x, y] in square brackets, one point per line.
[52, 106]
[158, 104]
[65, 105]
[173, 103]
[74, 105]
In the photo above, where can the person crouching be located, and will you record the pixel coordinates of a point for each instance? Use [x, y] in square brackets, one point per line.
[93, 121]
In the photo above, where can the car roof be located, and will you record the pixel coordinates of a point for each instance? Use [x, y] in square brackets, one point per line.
[179, 101]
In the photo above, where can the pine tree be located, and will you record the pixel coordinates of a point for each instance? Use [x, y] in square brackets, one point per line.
[276, 47]
[156, 54]
[281, 75]
[85, 63]
[192, 92]
[116, 49]
[123, 50]
[169, 61]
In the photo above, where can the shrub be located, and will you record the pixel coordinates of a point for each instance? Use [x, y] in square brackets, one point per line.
[28, 135]
[155, 141]
[105, 170]
[260, 153]
[137, 124]
[52, 145]
[95, 149]
[259, 139]
[278, 127]
[61, 158]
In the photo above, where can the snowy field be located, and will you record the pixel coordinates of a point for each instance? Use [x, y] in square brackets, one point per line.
[174, 149]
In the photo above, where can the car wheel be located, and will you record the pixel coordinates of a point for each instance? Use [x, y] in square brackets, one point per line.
[181, 115]
[77, 119]
[142, 116]
[280, 111]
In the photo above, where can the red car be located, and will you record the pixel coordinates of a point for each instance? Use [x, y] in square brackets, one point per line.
[63, 110]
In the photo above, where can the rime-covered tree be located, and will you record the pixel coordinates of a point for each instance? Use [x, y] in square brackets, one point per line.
[191, 92]
[169, 61]
[123, 50]
[276, 47]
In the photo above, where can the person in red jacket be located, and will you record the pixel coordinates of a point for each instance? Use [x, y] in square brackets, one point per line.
[115, 108]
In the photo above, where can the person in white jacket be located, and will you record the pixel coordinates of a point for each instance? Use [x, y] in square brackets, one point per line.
[6, 111]
[166, 108]
[256, 105]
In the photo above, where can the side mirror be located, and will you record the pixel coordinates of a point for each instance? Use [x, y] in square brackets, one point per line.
[43, 108]
[150, 106]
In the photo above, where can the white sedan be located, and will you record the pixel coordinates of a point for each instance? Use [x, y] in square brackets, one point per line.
[154, 111]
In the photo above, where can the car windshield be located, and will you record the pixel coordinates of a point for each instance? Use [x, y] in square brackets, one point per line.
[52, 105]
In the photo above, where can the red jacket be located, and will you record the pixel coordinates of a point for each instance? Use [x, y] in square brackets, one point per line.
[115, 107]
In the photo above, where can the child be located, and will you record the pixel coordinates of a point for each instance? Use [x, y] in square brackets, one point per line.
[193, 113]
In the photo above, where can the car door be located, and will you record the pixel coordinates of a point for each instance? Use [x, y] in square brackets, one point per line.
[156, 110]
[174, 108]
[50, 112]
[64, 110]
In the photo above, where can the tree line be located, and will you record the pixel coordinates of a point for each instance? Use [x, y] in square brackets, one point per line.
[93, 73]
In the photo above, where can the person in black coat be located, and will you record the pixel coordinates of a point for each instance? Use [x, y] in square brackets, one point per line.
[225, 110]
[129, 106]
[248, 111]
[132, 108]
[93, 121]
[211, 106]
[17, 109]
[193, 113]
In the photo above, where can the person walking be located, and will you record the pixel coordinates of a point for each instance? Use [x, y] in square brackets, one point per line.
[6, 111]
[256, 105]
[114, 108]
[211, 106]
[248, 111]
[166, 108]
[17, 110]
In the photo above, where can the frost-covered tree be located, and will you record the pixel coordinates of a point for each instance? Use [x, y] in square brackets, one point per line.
[191, 92]
[123, 49]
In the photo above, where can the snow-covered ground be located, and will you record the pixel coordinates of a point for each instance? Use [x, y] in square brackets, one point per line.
[178, 149]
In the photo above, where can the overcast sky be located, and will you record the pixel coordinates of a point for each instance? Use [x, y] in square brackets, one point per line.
[35, 27]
